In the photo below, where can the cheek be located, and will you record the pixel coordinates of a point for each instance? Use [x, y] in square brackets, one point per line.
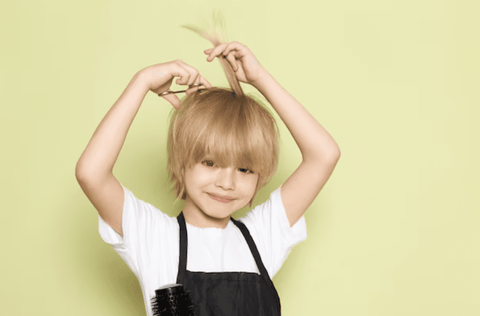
[251, 185]
[203, 178]
[197, 179]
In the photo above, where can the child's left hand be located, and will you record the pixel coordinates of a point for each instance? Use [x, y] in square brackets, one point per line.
[244, 64]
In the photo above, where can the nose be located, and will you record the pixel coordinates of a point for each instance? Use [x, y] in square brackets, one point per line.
[226, 178]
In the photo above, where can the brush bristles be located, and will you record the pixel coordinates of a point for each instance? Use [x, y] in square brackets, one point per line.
[172, 301]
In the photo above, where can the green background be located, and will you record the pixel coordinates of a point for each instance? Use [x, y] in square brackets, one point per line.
[395, 231]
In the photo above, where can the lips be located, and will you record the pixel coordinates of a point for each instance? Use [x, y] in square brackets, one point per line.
[222, 196]
[223, 199]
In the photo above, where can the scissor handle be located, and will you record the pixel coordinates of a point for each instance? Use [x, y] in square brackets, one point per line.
[170, 91]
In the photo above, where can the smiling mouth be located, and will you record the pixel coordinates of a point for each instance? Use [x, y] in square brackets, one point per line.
[216, 198]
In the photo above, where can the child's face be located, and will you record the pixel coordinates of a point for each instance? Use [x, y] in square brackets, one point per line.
[206, 179]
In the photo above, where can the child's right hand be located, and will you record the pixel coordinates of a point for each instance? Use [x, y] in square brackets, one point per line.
[159, 77]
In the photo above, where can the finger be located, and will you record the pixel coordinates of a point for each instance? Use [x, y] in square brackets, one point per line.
[238, 49]
[180, 71]
[207, 51]
[194, 73]
[195, 86]
[231, 59]
[174, 100]
[205, 82]
[217, 51]
[201, 80]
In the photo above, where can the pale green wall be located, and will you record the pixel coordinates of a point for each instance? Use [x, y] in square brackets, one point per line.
[394, 231]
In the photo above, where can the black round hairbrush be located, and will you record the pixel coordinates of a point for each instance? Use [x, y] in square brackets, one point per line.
[172, 300]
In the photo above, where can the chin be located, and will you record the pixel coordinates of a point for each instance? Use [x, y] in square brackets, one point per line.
[219, 213]
[219, 210]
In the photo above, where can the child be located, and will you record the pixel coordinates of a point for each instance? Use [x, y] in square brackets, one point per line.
[222, 148]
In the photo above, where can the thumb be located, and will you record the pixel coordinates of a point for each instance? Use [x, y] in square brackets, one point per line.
[174, 100]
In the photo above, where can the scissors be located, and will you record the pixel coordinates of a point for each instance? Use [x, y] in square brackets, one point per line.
[170, 91]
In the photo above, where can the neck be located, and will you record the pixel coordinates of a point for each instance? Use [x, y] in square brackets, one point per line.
[197, 218]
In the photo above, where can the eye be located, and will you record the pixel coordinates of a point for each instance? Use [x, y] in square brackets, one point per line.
[208, 163]
[246, 171]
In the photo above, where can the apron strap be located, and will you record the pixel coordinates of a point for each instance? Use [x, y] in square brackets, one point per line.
[182, 263]
[255, 253]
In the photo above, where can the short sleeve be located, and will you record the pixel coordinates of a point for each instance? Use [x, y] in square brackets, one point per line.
[269, 226]
[142, 224]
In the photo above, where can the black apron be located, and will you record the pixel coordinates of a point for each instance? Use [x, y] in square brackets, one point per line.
[228, 293]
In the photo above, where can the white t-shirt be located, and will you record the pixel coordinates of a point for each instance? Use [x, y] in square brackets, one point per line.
[150, 243]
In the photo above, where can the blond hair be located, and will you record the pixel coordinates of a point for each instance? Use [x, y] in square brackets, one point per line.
[225, 124]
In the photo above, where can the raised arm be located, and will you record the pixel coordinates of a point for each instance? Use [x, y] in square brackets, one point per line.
[99, 158]
[319, 150]
[94, 169]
